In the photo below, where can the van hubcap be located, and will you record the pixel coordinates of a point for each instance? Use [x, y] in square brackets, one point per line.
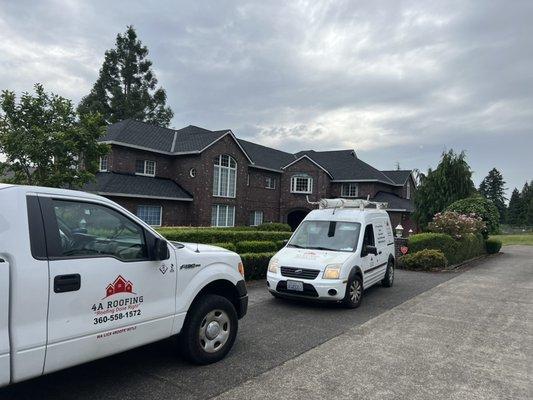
[355, 291]
[214, 331]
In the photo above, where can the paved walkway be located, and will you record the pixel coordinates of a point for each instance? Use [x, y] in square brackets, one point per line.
[468, 338]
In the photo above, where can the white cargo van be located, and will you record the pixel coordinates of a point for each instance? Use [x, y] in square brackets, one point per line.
[337, 251]
[82, 278]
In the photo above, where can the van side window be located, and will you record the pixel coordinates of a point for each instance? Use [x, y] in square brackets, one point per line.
[92, 230]
[368, 239]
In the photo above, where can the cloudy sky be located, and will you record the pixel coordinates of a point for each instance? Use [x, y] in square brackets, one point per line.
[398, 81]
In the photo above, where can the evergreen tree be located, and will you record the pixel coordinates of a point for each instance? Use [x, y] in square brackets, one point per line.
[126, 86]
[493, 188]
[44, 141]
[449, 182]
[515, 209]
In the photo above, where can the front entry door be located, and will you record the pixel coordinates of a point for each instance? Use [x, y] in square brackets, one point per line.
[106, 295]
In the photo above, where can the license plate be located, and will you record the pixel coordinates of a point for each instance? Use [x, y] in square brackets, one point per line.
[295, 285]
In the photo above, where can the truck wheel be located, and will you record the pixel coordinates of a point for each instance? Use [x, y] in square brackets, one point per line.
[210, 330]
[354, 292]
[388, 279]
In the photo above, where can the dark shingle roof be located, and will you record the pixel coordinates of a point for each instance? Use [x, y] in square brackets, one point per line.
[344, 165]
[153, 137]
[394, 202]
[398, 176]
[133, 185]
[266, 157]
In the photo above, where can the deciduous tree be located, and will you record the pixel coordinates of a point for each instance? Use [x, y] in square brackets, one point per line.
[44, 141]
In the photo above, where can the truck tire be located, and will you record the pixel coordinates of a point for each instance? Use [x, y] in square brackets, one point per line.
[209, 330]
[388, 279]
[354, 292]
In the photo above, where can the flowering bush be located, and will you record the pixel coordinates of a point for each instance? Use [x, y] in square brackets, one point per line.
[456, 225]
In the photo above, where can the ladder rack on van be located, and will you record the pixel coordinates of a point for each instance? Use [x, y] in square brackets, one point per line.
[351, 203]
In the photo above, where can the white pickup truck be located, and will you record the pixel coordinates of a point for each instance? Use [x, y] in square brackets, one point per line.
[82, 278]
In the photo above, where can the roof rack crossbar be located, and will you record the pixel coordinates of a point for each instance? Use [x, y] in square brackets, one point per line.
[351, 203]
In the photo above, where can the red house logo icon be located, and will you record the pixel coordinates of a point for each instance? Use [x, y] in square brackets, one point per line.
[120, 285]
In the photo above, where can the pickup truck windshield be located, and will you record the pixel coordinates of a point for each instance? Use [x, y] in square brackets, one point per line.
[326, 235]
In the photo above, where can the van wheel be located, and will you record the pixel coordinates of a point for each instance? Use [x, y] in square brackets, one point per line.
[354, 292]
[388, 279]
[209, 330]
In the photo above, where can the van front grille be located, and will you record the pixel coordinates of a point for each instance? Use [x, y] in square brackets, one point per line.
[302, 273]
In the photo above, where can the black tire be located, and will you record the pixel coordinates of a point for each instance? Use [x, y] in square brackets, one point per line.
[354, 292]
[388, 279]
[195, 343]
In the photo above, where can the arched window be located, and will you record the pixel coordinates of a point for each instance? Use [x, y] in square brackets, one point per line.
[225, 176]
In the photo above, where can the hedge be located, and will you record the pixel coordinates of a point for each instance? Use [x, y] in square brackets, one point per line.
[455, 251]
[493, 245]
[256, 264]
[425, 260]
[256, 246]
[226, 245]
[274, 226]
[215, 235]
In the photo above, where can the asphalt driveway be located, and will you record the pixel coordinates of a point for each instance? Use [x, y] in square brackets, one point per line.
[273, 332]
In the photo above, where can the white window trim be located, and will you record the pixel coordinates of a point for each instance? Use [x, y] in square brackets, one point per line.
[160, 213]
[217, 206]
[408, 191]
[100, 162]
[220, 166]
[309, 184]
[145, 173]
[272, 180]
[347, 185]
[255, 213]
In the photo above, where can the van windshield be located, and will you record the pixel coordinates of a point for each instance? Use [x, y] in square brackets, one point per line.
[326, 235]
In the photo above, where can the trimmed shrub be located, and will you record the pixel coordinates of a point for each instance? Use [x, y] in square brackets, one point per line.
[434, 241]
[280, 244]
[493, 245]
[274, 226]
[424, 260]
[482, 208]
[455, 251]
[256, 264]
[215, 235]
[226, 245]
[256, 246]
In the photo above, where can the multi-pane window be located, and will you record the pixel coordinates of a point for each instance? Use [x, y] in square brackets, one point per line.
[222, 215]
[408, 191]
[270, 183]
[145, 167]
[150, 214]
[225, 176]
[350, 190]
[256, 218]
[301, 184]
[103, 164]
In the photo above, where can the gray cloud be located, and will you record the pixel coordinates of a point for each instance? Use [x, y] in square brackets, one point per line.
[396, 80]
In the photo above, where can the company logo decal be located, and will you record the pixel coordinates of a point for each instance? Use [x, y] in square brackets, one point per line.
[120, 285]
[119, 303]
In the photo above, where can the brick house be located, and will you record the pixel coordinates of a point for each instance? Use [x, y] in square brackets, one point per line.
[194, 176]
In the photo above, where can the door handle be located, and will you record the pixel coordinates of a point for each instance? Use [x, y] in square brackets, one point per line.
[379, 252]
[67, 283]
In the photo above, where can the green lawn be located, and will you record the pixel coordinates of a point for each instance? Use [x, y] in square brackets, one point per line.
[526, 239]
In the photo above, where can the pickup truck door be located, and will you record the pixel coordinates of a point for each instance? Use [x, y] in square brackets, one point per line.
[107, 293]
[4, 323]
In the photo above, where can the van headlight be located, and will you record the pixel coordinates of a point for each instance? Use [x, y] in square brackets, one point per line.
[273, 265]
[332, 271]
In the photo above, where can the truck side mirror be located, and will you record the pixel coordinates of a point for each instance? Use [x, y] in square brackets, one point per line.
[160, 251]
[368, 249]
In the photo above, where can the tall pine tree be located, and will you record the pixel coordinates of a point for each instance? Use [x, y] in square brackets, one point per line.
[449, 182]
[493, 188]
[515, 211]
[126, 86]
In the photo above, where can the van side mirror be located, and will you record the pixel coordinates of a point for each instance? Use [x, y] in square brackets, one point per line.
[368, 249]
[160, 250]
